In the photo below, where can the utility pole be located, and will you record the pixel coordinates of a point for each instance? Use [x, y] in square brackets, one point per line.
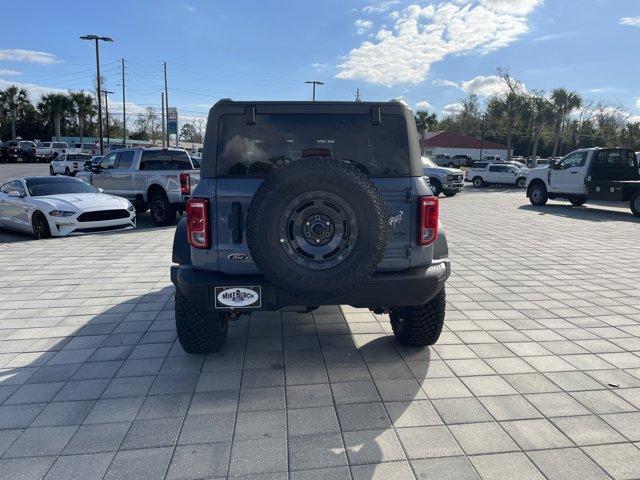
[314, 83]
[106, 106]
[482, 136]
[124, 108]
[97, 39]
[166, 95]
[164, 137]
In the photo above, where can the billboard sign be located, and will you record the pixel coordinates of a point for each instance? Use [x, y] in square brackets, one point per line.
[172, 120]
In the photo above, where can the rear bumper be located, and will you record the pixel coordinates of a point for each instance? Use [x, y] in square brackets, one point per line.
[415, 286]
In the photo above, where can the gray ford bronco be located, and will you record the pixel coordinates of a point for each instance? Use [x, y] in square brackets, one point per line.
[302, 204]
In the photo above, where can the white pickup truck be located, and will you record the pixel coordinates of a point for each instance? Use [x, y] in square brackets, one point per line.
[157, 179]
[589, 173]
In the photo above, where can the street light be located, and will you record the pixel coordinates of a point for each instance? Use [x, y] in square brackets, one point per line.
[314, 83]
[97, 38]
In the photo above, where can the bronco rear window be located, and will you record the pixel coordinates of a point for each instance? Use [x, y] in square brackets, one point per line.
[278, 139]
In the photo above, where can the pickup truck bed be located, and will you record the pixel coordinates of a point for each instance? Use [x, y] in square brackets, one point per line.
[615, 190]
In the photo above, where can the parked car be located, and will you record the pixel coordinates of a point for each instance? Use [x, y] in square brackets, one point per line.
[68, 164]
[443, 180]
[589, 173]
[88, 148]
[49, 150]
[442, 159]
[23, 150]
[305, 204]
[497, 173]
[58, 206]
[156, 179]
[492, 158]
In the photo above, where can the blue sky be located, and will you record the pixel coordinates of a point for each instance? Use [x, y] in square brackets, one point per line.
[431, 51]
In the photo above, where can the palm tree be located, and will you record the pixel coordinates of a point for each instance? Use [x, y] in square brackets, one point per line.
[542, 114]
[83, 106]
[508, 106]
[55, 105]
[563, 103]
[14, 100]
[425, 121]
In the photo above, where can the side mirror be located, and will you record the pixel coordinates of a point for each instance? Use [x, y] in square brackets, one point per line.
[16, 194]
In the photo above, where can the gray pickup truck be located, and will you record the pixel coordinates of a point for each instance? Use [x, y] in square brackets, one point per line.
[157, 179]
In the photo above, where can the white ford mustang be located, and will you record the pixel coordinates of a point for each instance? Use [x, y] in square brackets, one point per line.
[59, 206]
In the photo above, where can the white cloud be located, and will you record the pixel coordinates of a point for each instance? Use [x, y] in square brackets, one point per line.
[380, 7]
[35, 91]
[320, 66]
[6, 72]
[363, 26]
[442, 82]
[484, 86]
[634, 119]
[423, 105]
[33, 56]
[630, 21]
[424, 36]
[452, 109]
[555, 36]
[188, 7]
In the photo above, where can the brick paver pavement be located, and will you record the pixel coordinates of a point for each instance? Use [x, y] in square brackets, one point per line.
[537, 374]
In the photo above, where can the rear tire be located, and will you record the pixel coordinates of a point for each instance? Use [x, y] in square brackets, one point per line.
[478, 182]
[538, 195]
[67, 172]
[521, 182]
[634, 204]
[199, 332]
[421, 325]
[577, 200]
[163, 213]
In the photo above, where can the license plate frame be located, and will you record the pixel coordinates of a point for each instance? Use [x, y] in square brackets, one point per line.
[237, 297]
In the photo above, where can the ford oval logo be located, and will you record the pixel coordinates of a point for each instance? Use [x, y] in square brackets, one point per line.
[237, 257]
[238, 297]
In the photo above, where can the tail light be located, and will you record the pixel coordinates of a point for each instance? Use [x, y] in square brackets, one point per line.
[185, 184]
[428, 211]
[198, 222]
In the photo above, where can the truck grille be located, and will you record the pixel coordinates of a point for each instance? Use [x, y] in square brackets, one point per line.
[102, 215]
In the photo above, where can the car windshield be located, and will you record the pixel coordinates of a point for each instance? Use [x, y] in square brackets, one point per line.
[39, 187]
[428, 163]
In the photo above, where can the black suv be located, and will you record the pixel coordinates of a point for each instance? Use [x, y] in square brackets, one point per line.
[302, 204]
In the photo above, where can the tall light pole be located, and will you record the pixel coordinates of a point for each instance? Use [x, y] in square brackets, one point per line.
[97, 38]
[106, 107]
[314, 83]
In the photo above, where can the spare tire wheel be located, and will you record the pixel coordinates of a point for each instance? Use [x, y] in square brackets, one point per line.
[317, 228]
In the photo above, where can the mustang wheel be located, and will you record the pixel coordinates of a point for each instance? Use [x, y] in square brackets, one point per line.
[317, 228]
[40, 226]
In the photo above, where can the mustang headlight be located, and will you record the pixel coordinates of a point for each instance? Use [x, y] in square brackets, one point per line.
[61, 213]
[130, 208]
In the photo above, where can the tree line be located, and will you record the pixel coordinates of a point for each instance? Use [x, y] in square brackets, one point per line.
[74, 113]
[537, 123]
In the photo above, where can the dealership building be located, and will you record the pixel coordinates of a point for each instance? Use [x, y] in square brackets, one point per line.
[447, 143]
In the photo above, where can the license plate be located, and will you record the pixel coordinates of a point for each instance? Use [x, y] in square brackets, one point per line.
[238, 297]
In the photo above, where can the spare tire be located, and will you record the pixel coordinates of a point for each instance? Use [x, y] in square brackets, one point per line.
[317, 228]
